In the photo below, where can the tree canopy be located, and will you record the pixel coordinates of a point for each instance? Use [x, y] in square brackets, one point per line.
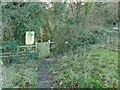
[61, 22]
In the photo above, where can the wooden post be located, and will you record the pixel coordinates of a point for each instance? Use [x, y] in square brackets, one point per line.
[18, 49]
[36, 46]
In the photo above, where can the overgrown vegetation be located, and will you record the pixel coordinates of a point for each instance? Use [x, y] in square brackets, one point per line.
[21, 75]
[95, 68]
[83, 39]
[59, 23]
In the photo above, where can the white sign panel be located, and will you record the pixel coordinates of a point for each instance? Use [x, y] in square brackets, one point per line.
[29, 37]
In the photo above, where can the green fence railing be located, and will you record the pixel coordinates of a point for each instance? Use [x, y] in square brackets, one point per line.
[42, 49]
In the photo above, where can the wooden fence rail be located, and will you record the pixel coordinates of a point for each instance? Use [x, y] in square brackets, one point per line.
[41, 48]
[18, 52]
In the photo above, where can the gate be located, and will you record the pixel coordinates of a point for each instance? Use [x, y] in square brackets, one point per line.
[42, 49]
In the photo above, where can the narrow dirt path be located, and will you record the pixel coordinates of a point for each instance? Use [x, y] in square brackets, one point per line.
[45, 79]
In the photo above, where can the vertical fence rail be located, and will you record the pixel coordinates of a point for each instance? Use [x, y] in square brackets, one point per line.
[42, 48]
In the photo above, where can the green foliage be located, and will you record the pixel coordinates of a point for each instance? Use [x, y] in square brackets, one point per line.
[32, 55]
[71, 27]
[21, 75]
[96, 68]
[81, 25]
[10, 46]
[61, 23]
[83, 39]
[21, 17]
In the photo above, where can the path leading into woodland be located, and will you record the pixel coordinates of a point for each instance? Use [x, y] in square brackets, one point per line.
[45, 79]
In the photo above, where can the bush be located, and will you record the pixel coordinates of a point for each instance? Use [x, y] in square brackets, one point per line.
[81, 39]
[10, 46]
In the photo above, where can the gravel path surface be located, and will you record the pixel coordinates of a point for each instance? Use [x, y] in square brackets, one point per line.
[45, 79]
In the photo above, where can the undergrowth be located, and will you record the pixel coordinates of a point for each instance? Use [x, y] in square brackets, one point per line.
[95, 68]
[21, 75]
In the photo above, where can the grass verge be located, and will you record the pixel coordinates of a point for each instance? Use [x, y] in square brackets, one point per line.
[21, 75]
[97, 68]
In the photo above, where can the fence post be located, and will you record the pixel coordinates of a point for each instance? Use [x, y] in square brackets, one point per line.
[36, 45]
